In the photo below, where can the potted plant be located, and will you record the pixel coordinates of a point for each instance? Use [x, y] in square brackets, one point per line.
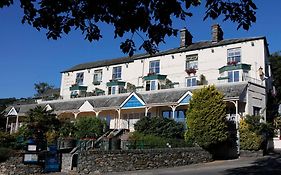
[190, 71]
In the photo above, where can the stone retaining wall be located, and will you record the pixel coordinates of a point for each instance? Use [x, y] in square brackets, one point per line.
[14, 166]
[129, 160]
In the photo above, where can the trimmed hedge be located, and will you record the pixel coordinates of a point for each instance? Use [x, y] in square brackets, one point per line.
[142, 141]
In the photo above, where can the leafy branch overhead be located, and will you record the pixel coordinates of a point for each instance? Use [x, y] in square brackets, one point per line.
[151, 18]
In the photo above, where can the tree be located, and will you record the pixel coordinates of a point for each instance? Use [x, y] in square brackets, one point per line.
[206, 118]
[89, 127]
[153, 18]
[274, 98]
[41, 88]
[275, 62]
[42, 123]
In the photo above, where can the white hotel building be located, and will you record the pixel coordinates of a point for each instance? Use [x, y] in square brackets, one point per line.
[123, 90]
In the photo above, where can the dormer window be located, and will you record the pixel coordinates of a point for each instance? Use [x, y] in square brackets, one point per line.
[79, 78]
[154, 67]
[116, 73]
[233, 56]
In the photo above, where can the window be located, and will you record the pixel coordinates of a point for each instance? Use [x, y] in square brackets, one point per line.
[191, 62]
[154, 67]
[97, 75]
[179, 115]
[111, 90]
[191, 82]
[116, 73]
[233, 55]
[79, 78]
[152, 85]
[256, 111]
[233, 76]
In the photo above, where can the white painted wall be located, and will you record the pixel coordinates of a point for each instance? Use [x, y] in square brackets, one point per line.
[173, 65]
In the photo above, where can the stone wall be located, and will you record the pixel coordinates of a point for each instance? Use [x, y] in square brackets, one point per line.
[14, 166]
[129, 160]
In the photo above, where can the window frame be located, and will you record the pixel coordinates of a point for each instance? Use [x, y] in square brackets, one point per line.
[116, 73]
[233, 58]
[233, 77]
[193, 80]
[154, 66]
[97, 77]
[191, 59]
[79, 78]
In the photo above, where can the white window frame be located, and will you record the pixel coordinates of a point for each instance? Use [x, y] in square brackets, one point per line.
[150, 85]
[97, 75]
[191, 62]
[233, 76]
[79, 78]
[234, 55]
[116, 72]
[154, 66]
[192, 79]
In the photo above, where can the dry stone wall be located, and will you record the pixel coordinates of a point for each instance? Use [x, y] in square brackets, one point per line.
[129, 160]
[15, 166]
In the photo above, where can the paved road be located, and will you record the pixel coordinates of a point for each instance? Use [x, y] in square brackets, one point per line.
[268, 165]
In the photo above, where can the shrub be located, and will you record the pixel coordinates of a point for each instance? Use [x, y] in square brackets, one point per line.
[7, 140]
[4, 153]
[89, 127]
[249, 140]
[67, 129]
[161, 127]
[139, 140]
[206, 121]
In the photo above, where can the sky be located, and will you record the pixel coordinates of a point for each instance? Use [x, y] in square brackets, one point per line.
[28, 57]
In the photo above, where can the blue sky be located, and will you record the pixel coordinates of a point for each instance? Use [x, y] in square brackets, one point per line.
[27, 56]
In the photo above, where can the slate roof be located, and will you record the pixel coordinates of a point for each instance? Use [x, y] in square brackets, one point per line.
[233, 90]
[67, 105]
[194, 46]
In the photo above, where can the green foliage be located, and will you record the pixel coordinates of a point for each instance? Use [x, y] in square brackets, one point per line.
[42, 87]
[275, 60]
[67, 129]
[142, 141]
[161, 127]
[89, 127]
[151, 20]
[41, 119]
[249, 139]
[4, 153]
[206, 119]
[7, 140]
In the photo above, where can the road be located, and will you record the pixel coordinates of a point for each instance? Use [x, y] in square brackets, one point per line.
[268, 165]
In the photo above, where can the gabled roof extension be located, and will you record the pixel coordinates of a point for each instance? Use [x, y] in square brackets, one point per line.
[149, 98]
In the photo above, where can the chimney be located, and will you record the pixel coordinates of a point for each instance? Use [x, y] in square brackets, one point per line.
[217, 33]
[186, 38]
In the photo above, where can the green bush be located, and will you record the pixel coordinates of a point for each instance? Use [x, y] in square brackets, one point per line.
[161, 127]
[249, 140]
[89, 127]
[206, 121]
[7, 140]
[4, 153]
[67, 129]
[142, 141]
